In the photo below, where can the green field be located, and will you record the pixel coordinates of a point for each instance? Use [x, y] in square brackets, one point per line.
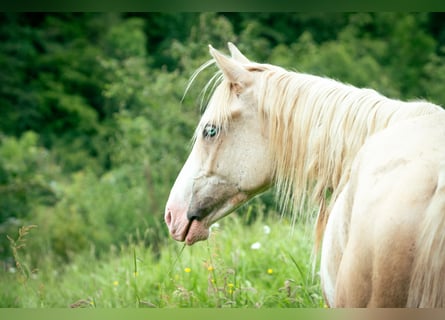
[264, 264]
[95, 126]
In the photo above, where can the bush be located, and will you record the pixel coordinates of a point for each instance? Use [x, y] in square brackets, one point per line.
[28, 179]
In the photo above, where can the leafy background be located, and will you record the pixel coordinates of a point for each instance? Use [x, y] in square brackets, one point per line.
[94, 126]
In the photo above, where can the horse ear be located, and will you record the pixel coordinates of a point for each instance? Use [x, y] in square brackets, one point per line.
[236, 54]
[233, 71]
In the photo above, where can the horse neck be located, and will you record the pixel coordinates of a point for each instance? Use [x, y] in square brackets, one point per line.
[316, 127]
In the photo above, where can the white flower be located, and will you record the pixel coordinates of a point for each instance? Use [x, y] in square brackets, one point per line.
[214, 226]
[255, 246]
[266, 229]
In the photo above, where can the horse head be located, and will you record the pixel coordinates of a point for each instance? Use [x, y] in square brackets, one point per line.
[230, 160]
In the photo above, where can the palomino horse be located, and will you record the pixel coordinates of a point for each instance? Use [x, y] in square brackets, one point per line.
[382, 162]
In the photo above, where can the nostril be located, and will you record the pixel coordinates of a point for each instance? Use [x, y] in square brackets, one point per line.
[168, 218]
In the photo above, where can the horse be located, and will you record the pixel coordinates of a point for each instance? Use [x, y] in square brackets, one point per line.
[373, 166]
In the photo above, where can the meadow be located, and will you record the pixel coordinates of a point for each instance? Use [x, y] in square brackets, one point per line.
[262, 265]
[95, 126]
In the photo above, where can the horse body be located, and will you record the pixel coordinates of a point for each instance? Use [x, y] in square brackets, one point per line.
[370, 244]
[381, 158]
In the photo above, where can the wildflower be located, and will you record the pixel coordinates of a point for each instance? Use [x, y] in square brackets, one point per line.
[269, 271]
[266, 229]
[210, 268]
[115, 283]
[230, 286]
[255, 246]
[188, 270]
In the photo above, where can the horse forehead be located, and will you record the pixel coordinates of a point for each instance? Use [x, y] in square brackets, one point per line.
[220, 115]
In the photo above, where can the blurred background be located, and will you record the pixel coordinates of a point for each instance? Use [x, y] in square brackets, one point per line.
[93, 128]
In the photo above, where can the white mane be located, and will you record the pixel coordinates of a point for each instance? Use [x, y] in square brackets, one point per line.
[316, 127]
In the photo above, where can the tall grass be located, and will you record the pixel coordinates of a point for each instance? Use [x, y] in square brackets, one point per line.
[264, 264]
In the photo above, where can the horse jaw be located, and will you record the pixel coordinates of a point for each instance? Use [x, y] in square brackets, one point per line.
[198, 230]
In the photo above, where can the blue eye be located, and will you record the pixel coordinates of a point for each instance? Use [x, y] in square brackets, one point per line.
[210, 131]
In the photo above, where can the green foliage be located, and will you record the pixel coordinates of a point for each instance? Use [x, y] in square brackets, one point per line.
[27, 180]
[434, 79]
[126, 39]
[210, 28]
[94, 128]
[227, 271]
[95, 213]
[18, 245]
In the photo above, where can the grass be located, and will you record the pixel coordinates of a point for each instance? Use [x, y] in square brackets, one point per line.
[265, 264]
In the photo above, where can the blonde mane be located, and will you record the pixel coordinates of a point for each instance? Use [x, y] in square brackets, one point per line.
[316, 127]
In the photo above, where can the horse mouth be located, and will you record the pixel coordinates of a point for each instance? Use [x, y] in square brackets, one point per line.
[197, 228]
[187, 229]
[195, 231]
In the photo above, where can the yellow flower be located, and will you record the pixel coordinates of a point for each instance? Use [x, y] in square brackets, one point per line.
[188, 270]
[269, 271]
[115, 283]
[210, 268]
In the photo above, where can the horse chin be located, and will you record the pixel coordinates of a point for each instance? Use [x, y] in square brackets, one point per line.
[197, 231]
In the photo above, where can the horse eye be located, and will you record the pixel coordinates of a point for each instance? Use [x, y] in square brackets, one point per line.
[210, 131]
